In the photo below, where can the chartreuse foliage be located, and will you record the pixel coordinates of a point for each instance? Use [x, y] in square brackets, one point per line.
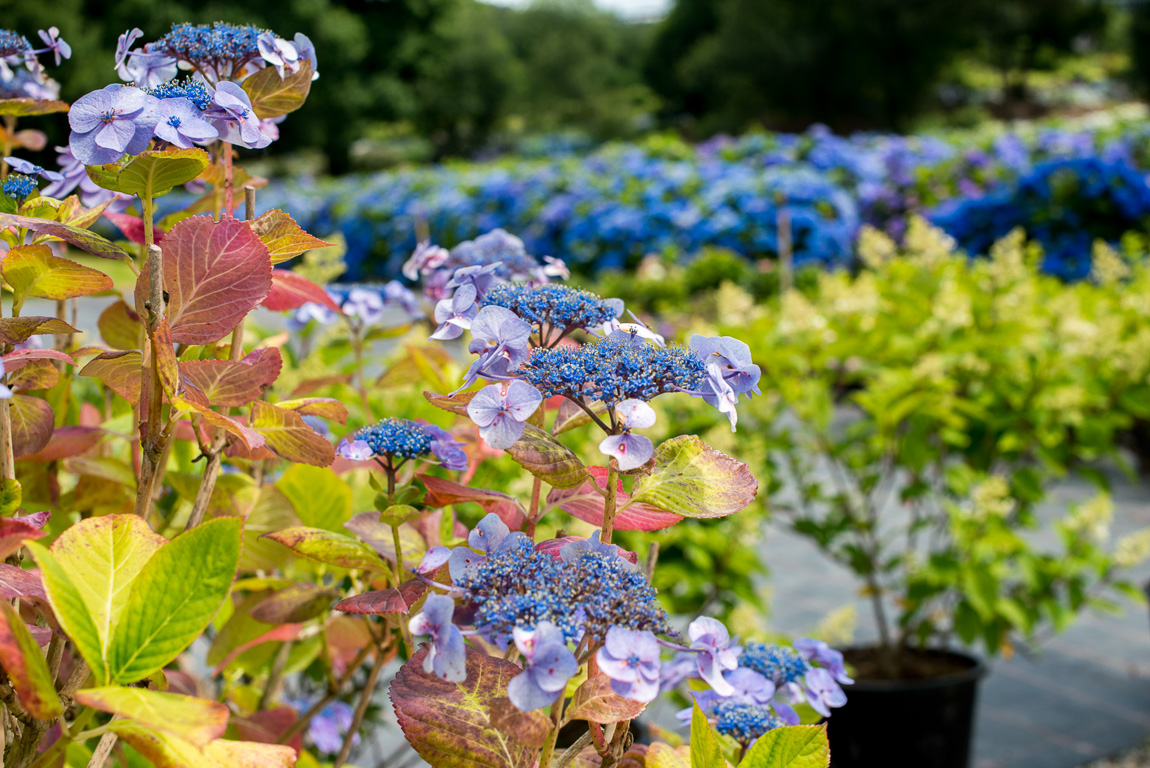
[797, 746]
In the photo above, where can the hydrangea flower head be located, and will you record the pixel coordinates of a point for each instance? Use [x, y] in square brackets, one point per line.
[18, 187]
[13, 45]
[220, 48]
[617, 368]
[189, 88]
[745, 722]
[553, 305]
[778, 663]
[110, 122]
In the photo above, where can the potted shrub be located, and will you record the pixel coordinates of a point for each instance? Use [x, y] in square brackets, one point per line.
[930, 402]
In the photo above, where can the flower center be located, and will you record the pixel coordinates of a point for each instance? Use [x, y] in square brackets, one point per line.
[174, 121]
[109, 116]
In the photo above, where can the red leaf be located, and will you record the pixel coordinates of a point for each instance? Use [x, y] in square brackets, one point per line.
[449, 724]
[325, 407]
[66, 442]
[14, 361]
[442, 493]
[118, 370]
[14, 531]
[15, 582]
[586, 504]
[384, 600]
[291, 291]
[234, 383]
[133, 227]
[214, 274]
[295, 603]
[250, 438]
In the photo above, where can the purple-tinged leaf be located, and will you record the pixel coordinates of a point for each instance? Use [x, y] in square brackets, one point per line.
[234, 383]
[214, 275]
[35, 374]
[547, 458]
[77, 236]
[530, 728]
[443, 493]
[249, 438]
[67, 442]
[587, 504]
[17, 330]
[32, 424]
[14, 531]
[14, 361]
[294, 604]
[24, 664]
[17, 583]
[449, 724]
[383, 601]
[167, 365]
[119, 371]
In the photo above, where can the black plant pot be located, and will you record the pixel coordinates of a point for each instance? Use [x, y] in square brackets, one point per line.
[919, 723]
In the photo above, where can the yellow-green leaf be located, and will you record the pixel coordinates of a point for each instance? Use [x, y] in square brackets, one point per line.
[694, 480]
[71, 612]
[174, 598]
[329, 547]
[151, 173]
[320, 498]
[32, 270]
[705, 749]
[794, 746]
[273, 95]
[198, 721]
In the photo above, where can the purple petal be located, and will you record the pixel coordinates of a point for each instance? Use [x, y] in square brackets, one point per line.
[526, 695]
[630, 450]
[488, 533]
[503, 433]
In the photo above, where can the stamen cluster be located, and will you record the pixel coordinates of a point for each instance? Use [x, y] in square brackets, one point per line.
[779, 664]
[558, 306]
[397, 437]
[17, 186]
[219, 46]
[744, 722]
[521, 587]
[188, 88]
[617, 368]
[13, 44]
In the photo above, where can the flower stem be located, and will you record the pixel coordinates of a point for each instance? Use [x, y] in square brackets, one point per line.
[361, 707]
[609, 506]
[556, 719]
[152, 448]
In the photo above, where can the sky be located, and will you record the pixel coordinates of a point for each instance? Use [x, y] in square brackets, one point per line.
[637, 10]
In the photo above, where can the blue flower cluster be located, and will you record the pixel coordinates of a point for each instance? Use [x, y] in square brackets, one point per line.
[396, 437]
[1064, 204]
[780, 664]
[189, 88]
[17, 186]
[552, 304]
[745, 722]
[619, 367]
[621, 202]
[13, 44]
[219, 46]
[519, 586]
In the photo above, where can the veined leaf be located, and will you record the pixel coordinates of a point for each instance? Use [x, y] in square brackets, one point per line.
[793, 746]
[71, 612]
[36, 374]
[32, 424]
[17, 330]
[14, 531]
[166, 750]
[329, 547]
[120, 371]
[595, 702]
[284, 238]
[325, 407]
[32, 270]
[214, 274]
[443, 493]
[694, 480]
[231, 383]
[77, 236]
[383, 601]
[587, 503]
[151, 173]
[547, 458]
[706, 752]
[24, 664]
[250, 438]
[448, 723]
[173, 598]
[665, 756]
[456, 404]
[196, 720]
[289, 436]
[273, 95]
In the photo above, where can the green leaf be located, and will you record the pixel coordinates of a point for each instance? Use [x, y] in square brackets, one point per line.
[99, 559]
[174, 597]
[792, 746]
[284, 238]
[273, 95]
[694, 480]
[665, 756]
[705, 749]
[71, 612]
[32, 270]
[196, 720]
[396, 514]
[24, 664]
[320, 498]
[329, 547]
[449, 724]
[547, 458]
[151, 174]
[10, 496]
